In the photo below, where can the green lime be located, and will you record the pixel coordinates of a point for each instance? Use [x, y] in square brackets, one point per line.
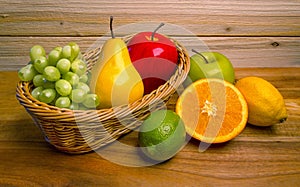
[162, 135]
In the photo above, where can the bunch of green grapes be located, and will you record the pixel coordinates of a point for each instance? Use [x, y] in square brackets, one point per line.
[61, 78]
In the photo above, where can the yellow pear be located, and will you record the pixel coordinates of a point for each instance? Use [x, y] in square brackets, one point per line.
[114, 78]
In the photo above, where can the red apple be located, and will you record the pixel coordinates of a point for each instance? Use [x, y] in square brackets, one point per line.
[154, 56]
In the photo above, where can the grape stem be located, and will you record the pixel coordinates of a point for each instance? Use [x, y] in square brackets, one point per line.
[111, 28]
[200, 55]
[153, 33]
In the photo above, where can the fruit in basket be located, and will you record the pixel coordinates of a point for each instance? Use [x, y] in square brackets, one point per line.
[54, 56]
[161, 135]
[66, 52]
[39, 80]
[266, 104]
[113, 78]
[154, 56]
[47, 95]
[72, 78]
[75, 50]
[27, 73]
[58, 80]
[36, 92]
[51, 73]
[78, 66]
[84, 78]
[36, 51]
[77, 95]
[40, 63]
[63, 87]
[210, 65]
[63, 65]
[63, 102]
[83, 86]
[91, 101]
[213, 110]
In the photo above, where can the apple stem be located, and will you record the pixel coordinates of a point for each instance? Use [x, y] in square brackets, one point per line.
[200, 55]
[159, 26]
[110, 25]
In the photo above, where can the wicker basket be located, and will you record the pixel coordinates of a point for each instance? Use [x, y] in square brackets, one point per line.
[81, 131]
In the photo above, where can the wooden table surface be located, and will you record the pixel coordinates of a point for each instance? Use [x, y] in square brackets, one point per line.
[267, 156]
[261, 38]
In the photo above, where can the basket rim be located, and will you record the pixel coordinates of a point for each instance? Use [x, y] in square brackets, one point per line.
[183, 65]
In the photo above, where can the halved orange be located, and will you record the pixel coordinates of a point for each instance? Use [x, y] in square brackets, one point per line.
[213, 110]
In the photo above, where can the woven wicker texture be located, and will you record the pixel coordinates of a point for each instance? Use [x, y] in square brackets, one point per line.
[81, 131]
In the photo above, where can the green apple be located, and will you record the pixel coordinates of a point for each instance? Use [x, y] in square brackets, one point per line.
[210, 65]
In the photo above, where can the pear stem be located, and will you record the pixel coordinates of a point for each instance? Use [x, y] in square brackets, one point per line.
[153, 33]
[200, 55]
[111, 28]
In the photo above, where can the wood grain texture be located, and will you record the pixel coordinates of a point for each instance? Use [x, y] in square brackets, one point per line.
[260, 156]
[90, 18]
[251, 34]
[242, 51]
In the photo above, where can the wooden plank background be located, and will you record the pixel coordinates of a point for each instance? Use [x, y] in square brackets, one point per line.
[250, 33]
[255, 33]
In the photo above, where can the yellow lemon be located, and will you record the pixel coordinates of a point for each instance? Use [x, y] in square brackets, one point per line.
[265, 103]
